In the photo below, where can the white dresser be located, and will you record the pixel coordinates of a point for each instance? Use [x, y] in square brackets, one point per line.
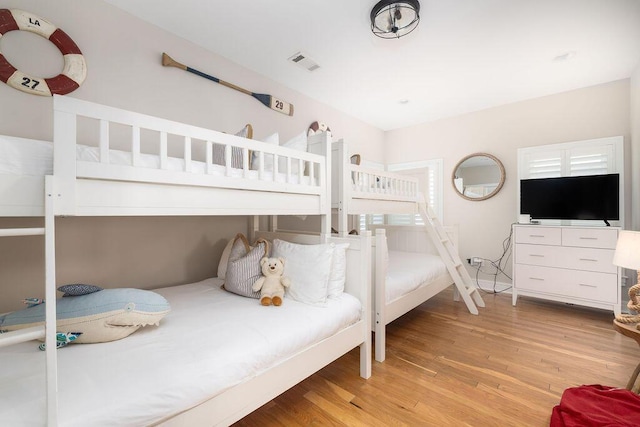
[567, 264]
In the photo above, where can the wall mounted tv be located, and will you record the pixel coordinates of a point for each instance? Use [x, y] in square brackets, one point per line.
[590, 197]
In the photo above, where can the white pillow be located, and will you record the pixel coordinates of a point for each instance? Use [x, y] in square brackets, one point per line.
[338, 274]
[298, 142]
[224, 259]
[274, 138]
[308, 267]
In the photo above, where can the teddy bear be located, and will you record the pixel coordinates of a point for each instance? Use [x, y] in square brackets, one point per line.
[272, 283]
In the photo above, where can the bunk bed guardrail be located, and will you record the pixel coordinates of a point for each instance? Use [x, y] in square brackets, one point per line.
[92, 163]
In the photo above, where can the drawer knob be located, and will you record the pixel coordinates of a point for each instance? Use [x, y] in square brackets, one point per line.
[588, 259]
[587, 285]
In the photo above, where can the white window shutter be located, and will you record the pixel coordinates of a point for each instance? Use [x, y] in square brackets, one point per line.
[590, 160]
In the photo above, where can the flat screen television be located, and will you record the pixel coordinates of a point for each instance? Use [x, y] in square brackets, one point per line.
[590, 197]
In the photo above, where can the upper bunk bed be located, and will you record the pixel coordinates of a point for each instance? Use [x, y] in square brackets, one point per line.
[357, 190]
[106, 161]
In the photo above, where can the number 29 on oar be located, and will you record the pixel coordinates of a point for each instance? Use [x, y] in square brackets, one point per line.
[281, 106]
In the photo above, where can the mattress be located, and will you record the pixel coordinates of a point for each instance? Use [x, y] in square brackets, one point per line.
[21, 156]
[210, 341]
[408, 270]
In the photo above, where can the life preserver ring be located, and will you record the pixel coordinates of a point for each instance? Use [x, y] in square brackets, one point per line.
[75, 67]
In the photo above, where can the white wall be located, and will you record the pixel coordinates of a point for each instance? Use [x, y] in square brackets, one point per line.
[581, 114]
[123, 57]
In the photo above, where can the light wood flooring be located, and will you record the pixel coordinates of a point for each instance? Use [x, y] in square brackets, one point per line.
[445, 367]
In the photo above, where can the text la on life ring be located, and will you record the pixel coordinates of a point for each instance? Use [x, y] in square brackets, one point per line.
[75, 68]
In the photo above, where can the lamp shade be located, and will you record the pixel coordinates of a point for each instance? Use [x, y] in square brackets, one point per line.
[627, 253]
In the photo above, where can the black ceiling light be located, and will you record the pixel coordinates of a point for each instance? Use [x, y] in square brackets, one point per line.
[394, 19]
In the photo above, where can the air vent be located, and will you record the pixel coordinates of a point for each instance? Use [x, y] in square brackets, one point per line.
[304, 61]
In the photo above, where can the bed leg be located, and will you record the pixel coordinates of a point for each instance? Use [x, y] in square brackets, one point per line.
[365, 358]
[380, 341]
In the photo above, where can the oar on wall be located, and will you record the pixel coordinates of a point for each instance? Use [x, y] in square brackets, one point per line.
[268, 100]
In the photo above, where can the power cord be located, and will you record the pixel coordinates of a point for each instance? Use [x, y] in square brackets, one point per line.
[498, 264]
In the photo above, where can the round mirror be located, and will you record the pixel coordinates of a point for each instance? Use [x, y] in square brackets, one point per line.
[478, 176]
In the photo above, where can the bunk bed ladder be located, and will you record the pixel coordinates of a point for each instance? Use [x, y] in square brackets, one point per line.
[465, 286]
[47, 331]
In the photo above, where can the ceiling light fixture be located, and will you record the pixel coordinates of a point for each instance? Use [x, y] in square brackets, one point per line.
[394, 19]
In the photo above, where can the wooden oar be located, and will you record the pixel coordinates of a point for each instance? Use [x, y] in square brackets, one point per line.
[268, 100]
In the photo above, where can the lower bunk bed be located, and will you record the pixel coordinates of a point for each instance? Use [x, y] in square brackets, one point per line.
[213, 359]
[407, 271]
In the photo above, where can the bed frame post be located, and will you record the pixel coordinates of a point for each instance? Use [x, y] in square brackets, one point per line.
[50, 197]
[321, 144]
[366, 297]
[380, 275]
[341, 197]
[64, 155]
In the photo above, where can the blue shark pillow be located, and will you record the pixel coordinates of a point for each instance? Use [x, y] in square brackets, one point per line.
[107, 315]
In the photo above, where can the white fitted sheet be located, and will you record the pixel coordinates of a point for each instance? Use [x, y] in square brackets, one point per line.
[210, 341]
[408, 270]
[21, 156]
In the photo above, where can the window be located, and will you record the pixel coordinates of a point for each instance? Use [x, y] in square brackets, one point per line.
[590, 157]
[429, 174]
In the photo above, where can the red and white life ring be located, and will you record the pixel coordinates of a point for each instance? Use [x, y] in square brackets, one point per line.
[75, 67]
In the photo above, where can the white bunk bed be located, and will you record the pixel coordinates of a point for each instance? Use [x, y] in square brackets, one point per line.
[164, 183]
[359, 190]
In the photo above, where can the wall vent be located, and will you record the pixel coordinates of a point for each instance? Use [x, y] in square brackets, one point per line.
[303, 60]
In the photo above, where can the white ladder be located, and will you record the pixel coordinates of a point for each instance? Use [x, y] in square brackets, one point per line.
[48, 331]
[465, 287]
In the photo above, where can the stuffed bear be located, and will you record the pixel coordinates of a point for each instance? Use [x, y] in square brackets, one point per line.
[271, 285]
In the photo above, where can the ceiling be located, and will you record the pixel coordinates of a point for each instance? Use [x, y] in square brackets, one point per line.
[465, 55]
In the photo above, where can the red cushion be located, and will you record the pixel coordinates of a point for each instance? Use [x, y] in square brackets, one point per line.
[597, 406]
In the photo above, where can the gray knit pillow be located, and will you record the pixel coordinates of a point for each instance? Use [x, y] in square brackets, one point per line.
[243, 272]
[76, 289]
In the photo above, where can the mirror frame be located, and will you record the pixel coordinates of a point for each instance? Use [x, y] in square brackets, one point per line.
[494, 192]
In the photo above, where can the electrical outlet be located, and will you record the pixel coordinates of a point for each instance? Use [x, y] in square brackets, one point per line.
[475, 261]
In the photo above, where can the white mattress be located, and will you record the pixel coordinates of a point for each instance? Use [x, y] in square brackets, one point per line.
[21, 156]
[408, 270]
[210, 341]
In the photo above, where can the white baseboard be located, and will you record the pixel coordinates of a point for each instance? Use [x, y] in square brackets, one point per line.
[488, 286]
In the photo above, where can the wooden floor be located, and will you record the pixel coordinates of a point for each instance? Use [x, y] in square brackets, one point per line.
[445, 367]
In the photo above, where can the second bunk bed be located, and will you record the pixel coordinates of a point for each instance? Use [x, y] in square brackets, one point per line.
[410, 264]
[215, 356]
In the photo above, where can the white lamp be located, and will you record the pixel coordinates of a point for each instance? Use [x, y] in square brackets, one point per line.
[627, 255]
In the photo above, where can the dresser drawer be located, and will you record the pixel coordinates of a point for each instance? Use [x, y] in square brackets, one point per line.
[601, 287]
[538, 235]
[588, 259]
[590, 237]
